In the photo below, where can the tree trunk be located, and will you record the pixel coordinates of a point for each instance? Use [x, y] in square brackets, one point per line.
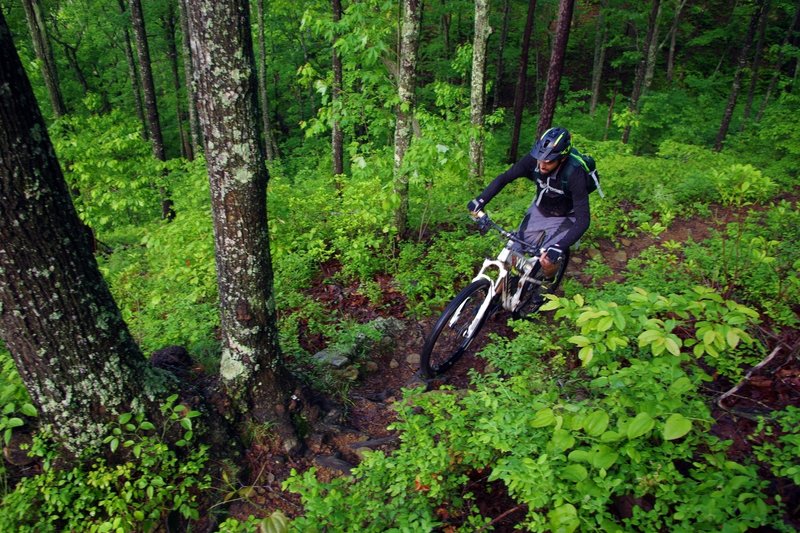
[405, 111]
[270, 146]
[501, 46]
[251, 368]
[774, 81]
[737, 76]
[599, 57]
[638, 84]
[169, 24]
[652, 52]
[755, 67]
[191, 94]
[148, 87]
[337, 137]
[446, 20]
[565, 9]
[522, 81]
[133, 73]
[44, 52]
[478, 89]
[673, 33]
[57, 316]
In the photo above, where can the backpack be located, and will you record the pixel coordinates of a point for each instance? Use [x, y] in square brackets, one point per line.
[590, 166]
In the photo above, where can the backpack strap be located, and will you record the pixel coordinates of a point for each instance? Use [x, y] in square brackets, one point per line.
[545, 186]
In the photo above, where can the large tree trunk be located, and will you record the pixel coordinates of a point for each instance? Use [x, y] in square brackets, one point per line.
[737, 76]
[252, 368]
[522, 82]
[337, 137]
[478, 89]
[44, 52]
[638, 84]
[270, 146]
[133, 73]
[565, 9]
[148, 87]
[599, 57]
[57, 316]
[191, 94]
[170, 26]
[409, 39]
[501, 46]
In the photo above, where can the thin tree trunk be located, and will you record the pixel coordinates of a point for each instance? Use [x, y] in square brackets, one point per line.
[44, 52]
[133, 73]
[638, 84]
[337, 137]
[57, 316]
[610, 114]
[652, 52]
[405, 111]
[774, 81]
[270, 146]
[252, 368]
[191, 94]
[737, 76]
[755, 67]
[673, 33]
[446, 20]
[151, 107]
[522, 81]
[172, 54]
[599, 57]
[501, 46]
[478, 88]
[565, 9]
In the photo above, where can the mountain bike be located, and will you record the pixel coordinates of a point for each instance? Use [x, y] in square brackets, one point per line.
[514, 281]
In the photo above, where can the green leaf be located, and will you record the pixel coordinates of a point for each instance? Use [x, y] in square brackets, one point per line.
[579, 340]
[596, 423]
[543, 418]
[680, 386]
[676, 427]
[640, 425]
[114, 444]
[564, 519]
[563, 439]
[124, 418]
[575, 473]
[603, 456]
[14, 422]
[28, 410]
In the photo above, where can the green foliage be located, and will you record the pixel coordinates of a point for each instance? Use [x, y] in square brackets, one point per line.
[777, 441]
[134, 488]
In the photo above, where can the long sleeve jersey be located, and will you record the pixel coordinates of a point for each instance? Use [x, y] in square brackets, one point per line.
[552, 198]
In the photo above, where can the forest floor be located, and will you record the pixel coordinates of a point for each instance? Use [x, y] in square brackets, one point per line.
[369, 411]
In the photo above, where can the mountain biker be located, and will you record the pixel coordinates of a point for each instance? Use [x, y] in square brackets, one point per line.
[561, 212]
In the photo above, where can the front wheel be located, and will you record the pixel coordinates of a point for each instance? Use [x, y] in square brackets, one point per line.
[456, 329]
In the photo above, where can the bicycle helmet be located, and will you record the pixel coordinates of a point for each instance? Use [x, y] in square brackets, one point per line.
[554, 144]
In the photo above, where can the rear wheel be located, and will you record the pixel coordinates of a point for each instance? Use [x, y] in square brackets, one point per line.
[451, 335]
[533, 295]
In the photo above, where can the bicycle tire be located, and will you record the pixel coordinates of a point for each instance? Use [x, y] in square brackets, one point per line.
[532, 295]
[446, 343]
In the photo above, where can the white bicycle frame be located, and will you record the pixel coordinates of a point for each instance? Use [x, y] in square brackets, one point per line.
[498, 285]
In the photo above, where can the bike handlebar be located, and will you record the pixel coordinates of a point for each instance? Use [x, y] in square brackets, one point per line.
[526, 246]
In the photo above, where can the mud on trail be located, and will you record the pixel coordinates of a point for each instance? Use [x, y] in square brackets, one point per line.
[363, 422]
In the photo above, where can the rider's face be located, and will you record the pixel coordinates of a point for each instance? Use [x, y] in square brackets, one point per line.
[546, 167]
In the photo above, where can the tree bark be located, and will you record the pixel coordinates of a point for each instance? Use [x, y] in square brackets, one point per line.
[170, 26]
[252, 367]
[148, 87]
[57, 316]
[44, 52]
[599, 57]
[774, 81]
[270, 146]
[522, 81]
[755, 66]
[409, 39]
[565, 9]
[673, 33]
[337, 137]
[191, 94]
[501, 46]
[652, 52]
[638, 84]
[478, 88]
[133, 73]
[737, 76]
